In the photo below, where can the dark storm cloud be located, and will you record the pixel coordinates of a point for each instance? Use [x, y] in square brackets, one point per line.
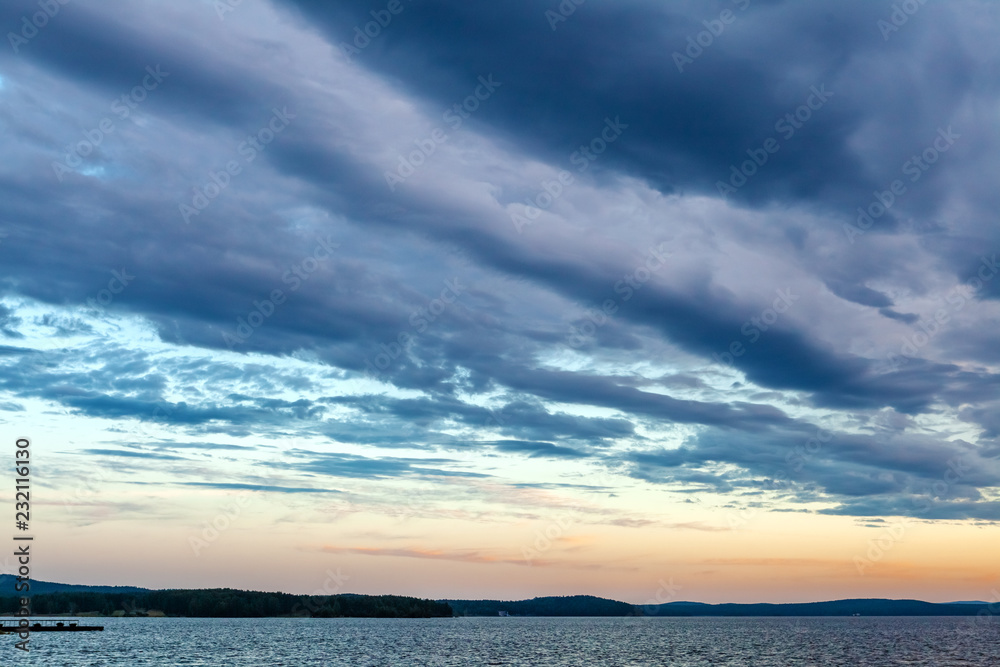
[256, 487]
[578, 387]
[909, 475]
[514, 418]
[685, 130]
[920, 507]
[361, 467]
[909, 318]
[128, 453]
[860, 294]
[179, 413]
[537, 449]
[108, 46]
[130, 385]
[703, 322]
[8, 322]
[207, 446]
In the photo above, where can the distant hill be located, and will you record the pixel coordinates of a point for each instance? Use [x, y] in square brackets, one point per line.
[863, 607]
[574, 605]
[8, 581]
[54, 598]
[226, 603]
[586, 605]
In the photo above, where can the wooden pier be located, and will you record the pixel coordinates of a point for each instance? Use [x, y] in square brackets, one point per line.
[8, 626]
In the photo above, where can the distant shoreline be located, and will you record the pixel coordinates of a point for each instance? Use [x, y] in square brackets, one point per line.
[231, 603]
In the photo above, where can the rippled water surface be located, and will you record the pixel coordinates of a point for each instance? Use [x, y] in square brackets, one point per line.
[762, 642]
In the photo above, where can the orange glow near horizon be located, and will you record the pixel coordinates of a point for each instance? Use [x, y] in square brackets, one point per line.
[778, 557]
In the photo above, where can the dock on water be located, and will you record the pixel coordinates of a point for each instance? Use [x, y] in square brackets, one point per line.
[8, 625]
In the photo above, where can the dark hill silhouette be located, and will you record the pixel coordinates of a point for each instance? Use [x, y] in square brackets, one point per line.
[55, 598]
[574, 605]
[862, 607]
[8, 581]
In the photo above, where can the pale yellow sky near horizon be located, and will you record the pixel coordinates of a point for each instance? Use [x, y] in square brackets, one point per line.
[295, 544]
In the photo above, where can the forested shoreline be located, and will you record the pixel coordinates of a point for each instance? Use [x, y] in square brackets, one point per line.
[231, 603]
[227, 603]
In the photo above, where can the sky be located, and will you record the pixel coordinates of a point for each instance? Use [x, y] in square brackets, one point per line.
[648, 300]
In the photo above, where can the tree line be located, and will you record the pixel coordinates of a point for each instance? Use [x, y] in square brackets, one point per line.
[573, 605]
[229, 603]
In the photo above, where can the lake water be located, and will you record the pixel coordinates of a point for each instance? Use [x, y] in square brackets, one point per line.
[687, 642]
